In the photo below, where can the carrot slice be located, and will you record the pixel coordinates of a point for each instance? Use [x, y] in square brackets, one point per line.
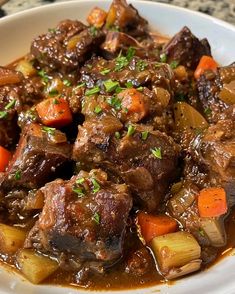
[5, 157]
[134, 103]
[152, 226]
[54, 112]
[97, 17]
[205, 63]
[212, 202]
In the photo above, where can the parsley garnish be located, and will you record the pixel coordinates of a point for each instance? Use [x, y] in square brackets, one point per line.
[78, 191]
[96, 218]
[174, 64]
[207, 111]
[130, 130]
[141, 65]
[48, 130]
[129, 85]
[56, 101]
[93, 31]
[117, 135]
[140, 88]
[92, 91]
[51, 30]
[157, 152]
[201, 232]
[105, 71]
[80, 85]
[115, 102]
[17, 175]
[80, 181]
[53, 92]
[130, 53]
[43, 75]
[121, 62]
[98, 109]
[96, 186]
[144, 135]
[10, 104]
[3, 114]
[67, 83]
[110, 85]
[163, 57]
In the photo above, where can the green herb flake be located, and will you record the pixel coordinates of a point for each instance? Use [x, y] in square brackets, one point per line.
[174, 64]
[78, 191]
[105, 71]
[207, 111]
[89, 66]
[117, 135]
[10, 104]
[96, 186]
[121, 62]
[3, 114]
[201, 232]
[130, 53]
[80, 86]
[49, 130]
[96, 218]
[163, 57]
[129, 85]
[180, 97]
[115, 102]
[54, 92]
[98, 109]
[140, 88]
[158, 64]
[130, 130]
[157, 152]
[93, 31]
[67, 83]
[43, 75]
[51, 30]
[144, 135]
[141, 65]
[92, 91]
[17, 175]
[110, 85]
[56, 101]
[80, 181]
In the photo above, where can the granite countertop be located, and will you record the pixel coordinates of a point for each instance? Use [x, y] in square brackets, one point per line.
[223, 9]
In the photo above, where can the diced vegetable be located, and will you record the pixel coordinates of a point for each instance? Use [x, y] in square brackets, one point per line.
[8, 77]
[5, 157]
[186, 269]
[134, 102]
[212, 202]
[54, 112]
[214, 229]
[152, 226]
[163, 96]
[175, 250]
[35, 267]
[205, 63]
[97, 17]
[187, 117]
[11, 239]
[26, 68]
[227, 94]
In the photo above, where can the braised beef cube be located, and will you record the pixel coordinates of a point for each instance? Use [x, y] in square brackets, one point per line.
[186, 49]
[40, 152]
[67, 46]
[145, 160]
[126, 18]
[85, 216]
[139, 263]
[216, 91]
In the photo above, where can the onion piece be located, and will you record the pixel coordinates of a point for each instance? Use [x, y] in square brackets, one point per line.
[26, 68]
[214, 229]
[227, 94]
[187, 117]
[186, 269]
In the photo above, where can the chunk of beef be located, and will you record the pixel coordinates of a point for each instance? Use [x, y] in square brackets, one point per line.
[67, 46]
[185, 48]
[38, 156]
[139, 262]
[212, 88]
[85, 216]
[126, 18]
[130, 157]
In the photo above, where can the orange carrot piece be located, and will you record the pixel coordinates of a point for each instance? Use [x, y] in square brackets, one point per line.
[5, 157]
[205, 63]
[133, 101]
[212, 202]
[152, 226]
[54, 112]
[97, 17]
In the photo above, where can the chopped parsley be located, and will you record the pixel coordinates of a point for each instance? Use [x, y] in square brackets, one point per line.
[98, 109]
[174, 64]
[67, 83]
[43, 75]
[92, 91]
[110, 85]
[3, 114]
[56, 101]
[115, 102]
[158, 64]
[144, 135]
[163, 57]
[129, 85]
[201, 232]
[105, 71]
[141, 65]
[51, 30]
[10, 104]
[49, 130]
[119, 89]
[80, 85]
[180, 97]
[89, 66]
[17, 175]
[96, 186]
[140, 88]
[121, 62]
[80, 181]
[53, 92]
[207, 111]
[79, 191]
[96, 218]
[130, 53]
[93, 31]
[117, 135]
[157, 152]
[130, 130]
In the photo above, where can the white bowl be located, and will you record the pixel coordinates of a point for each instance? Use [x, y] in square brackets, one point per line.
[16, 34]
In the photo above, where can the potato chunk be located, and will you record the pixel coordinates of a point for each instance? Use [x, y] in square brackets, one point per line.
[35, 267]
[11, 239]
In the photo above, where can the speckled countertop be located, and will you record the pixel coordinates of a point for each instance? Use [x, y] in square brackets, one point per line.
[223, 9]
